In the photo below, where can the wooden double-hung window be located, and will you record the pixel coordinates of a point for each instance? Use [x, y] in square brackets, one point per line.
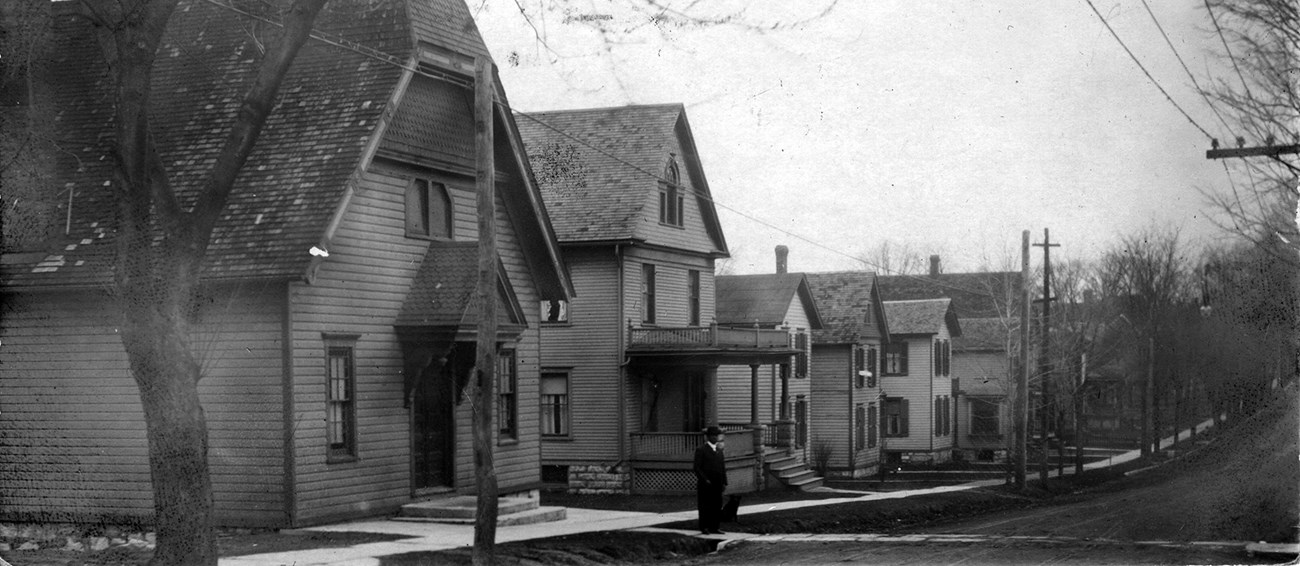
[647, 293]
[872, 425]
[671, 201]
[864, 366]
[555, 404]
[895, 417]
[507, 395]
[895, 358]
[340, 398]
[693, 293]
[860, 422]
[428, 210]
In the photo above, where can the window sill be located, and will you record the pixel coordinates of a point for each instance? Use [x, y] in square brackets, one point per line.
[557, 438]
[341, 459]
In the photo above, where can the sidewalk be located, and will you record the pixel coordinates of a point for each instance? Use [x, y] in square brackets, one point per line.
[428, 537]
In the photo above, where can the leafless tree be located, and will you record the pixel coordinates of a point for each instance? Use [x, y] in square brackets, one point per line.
[1259, 101]
[161, 241]
[1148, 276]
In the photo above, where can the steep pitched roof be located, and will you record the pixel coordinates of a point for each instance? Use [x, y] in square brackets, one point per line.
[287, 191]
[921, 317]
[850, 305]
[599, 167]
[443, 292]
[982, 335]
[974, 295]
[764, 299]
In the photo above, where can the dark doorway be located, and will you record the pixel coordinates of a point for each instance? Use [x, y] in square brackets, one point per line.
[433, 426]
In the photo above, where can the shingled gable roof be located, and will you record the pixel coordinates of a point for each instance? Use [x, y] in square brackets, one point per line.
[982, 335]
[763, 299]
[921, 317]
[846, 300]
[297, 177]
[974, 295]
[444, 291]
[599, 167]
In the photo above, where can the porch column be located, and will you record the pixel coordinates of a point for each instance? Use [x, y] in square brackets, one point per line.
[753, 396]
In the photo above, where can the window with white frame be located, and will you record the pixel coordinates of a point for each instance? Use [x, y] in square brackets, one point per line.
[555, 403]
[340, 398]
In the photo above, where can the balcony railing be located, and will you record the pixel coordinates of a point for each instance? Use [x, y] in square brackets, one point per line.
[680, 446]
[712, 336]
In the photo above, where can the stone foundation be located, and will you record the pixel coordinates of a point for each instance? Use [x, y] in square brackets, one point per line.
[600, 479]
[70, 537]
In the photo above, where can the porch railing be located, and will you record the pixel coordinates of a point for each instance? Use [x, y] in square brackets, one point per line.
[680, 446]
[779, 434]
[712, 336]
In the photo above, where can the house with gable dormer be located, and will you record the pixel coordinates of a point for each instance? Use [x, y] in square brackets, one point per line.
[915, 368]
[630, 374]
[774, 398]
[846, 384]
[337, 324]
[983, 357]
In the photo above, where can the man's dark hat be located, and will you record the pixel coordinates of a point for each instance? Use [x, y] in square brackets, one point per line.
[712, 431]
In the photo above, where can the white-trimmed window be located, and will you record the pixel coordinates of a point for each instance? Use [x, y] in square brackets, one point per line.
[555, 403]
[340, 397]
[507, 395]
[671, 200]
[647, 293]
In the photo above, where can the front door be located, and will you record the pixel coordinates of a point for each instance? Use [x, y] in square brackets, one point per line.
[432, 428]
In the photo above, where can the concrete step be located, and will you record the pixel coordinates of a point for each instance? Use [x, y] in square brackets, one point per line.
[785, 467]
[461, 510]
[807, 483]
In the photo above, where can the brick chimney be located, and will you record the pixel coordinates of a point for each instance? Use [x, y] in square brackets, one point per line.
[782, 255]
[934, 265]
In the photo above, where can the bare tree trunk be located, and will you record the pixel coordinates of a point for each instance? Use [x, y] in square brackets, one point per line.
[160, 249]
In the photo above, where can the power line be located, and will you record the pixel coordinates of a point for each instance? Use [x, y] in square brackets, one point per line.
[1144, 70]
[1205, 96]
[388, 59]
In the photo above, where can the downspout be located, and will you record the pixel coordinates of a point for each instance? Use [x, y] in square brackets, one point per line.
[289, 466]
[853, 380]
[622, 353]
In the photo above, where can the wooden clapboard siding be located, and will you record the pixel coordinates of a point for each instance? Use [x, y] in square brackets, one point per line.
[916, 388]
[84, 456]
[588, 348]
[692, 236]
[734, 381]
[984, 374]
[357, 291]
[830, 415]
[672, 306]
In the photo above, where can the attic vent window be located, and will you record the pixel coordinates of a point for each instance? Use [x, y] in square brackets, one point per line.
[428, 210]
[670, 196]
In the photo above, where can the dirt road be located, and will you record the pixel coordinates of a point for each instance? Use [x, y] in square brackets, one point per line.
[1242, 487]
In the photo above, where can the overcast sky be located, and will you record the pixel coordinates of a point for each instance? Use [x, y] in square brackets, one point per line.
[950, 127]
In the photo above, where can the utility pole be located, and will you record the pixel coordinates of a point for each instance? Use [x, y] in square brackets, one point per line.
[1045, 359]
[1020, 398]
[485, 476]
[1080, 379]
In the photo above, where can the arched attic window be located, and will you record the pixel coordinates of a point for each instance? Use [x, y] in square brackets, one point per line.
[671, 201]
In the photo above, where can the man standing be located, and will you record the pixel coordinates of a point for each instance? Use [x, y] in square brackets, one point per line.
[711, 480]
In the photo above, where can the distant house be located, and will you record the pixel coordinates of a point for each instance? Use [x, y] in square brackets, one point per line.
[774, 396]
[916, 365]
[630, 376]
[845, 381]
[336, 323]
[983, 357]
